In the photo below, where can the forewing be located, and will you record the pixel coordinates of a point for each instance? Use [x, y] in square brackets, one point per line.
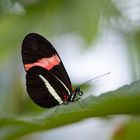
[38, 51]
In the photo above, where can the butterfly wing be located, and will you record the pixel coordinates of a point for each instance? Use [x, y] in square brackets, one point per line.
[44, 88]
[38, 51]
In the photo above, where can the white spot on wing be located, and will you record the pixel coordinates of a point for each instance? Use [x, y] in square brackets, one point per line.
[51, 90]
[63, 85]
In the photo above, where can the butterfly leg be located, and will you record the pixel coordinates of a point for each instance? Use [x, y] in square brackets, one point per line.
[54, 113]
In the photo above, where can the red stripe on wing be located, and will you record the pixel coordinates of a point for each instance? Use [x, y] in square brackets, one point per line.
[47, 63]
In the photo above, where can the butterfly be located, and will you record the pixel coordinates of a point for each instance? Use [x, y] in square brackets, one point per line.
[47, 81]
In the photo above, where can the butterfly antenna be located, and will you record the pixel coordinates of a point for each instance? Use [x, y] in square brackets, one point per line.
[88, 81]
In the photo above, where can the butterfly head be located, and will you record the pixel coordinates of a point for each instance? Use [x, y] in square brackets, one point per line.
[75, 95]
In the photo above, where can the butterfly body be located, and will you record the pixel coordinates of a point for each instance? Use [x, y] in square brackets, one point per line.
[47, 81]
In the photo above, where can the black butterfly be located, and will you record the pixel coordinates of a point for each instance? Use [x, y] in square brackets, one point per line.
[47, 81]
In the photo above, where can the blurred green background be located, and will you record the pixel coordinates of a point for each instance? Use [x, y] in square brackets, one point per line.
[94, 22]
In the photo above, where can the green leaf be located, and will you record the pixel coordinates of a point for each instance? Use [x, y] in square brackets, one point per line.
[125, 100]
